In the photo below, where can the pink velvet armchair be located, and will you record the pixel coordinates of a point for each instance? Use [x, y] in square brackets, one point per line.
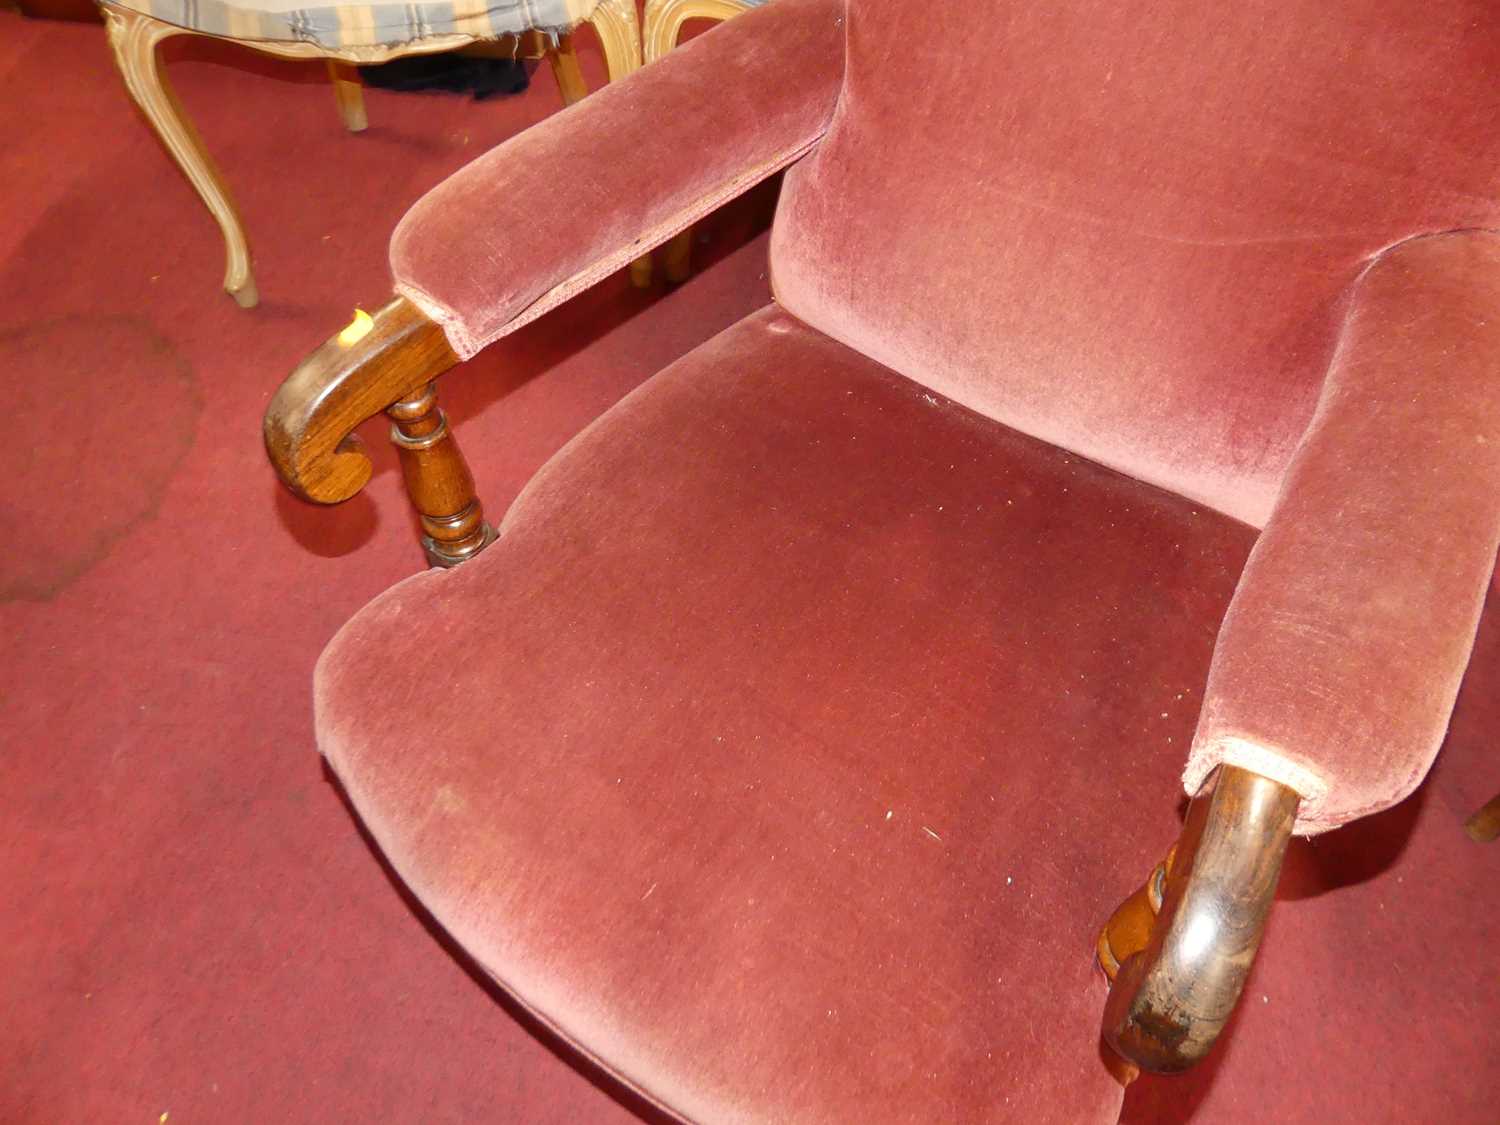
[790, 741]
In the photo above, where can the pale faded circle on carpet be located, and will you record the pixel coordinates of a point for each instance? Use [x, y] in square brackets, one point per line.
[101, 411]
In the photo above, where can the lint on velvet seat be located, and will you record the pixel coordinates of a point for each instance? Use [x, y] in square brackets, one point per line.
[1125, 424]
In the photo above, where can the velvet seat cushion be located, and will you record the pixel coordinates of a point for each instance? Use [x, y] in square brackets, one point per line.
[789, 748]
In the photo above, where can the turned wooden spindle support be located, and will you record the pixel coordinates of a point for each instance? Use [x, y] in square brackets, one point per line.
[1127, 933]
[1129, 928]
[438, 480]
[385, 363]
[1177, 952]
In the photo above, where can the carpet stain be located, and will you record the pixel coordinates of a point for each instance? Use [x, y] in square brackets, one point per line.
[105, 409]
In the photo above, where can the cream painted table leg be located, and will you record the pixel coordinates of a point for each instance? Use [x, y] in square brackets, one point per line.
[349, 92]
[134, 38]
[619, 34]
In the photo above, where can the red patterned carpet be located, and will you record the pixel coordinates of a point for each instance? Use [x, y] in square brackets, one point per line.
[190, 922]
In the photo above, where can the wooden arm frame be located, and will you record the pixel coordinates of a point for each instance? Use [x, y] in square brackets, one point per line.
[385, 363]
[1179, 950]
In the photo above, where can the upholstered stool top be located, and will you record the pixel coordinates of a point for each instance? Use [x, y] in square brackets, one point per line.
[373, 23]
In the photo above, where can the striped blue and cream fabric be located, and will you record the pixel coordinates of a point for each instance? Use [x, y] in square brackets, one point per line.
[373, 23]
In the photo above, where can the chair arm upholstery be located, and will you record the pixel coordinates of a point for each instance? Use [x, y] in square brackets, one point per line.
[575, 197]
[548, 213]
[1341, 655]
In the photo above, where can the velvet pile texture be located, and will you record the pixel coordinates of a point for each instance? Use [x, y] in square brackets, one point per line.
[1130, 389]
[1340, 658]
[190, 924]
[1150, 262]
[772, 775]
[1132, 229]
[1138, 261]
[791, 745]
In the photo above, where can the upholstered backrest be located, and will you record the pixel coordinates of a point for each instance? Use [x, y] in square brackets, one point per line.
[1129, 228]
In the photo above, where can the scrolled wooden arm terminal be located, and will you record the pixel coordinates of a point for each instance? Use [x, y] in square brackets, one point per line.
[381, 363]
[1178, 951]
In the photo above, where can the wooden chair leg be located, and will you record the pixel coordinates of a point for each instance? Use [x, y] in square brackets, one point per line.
[566, 70]
[677, 257]
[348, 91]
[134, 39]
[664, 20]
[438, 480]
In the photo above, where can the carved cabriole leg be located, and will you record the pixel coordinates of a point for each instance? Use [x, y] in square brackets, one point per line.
[348, 91]
[664, 20]
[438, 480]
[134, 38]
[619, 31]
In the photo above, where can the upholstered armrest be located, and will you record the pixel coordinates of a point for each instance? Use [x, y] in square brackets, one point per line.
[1341, 654]
[1340, 657]
[534, 221]
[575, 197]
